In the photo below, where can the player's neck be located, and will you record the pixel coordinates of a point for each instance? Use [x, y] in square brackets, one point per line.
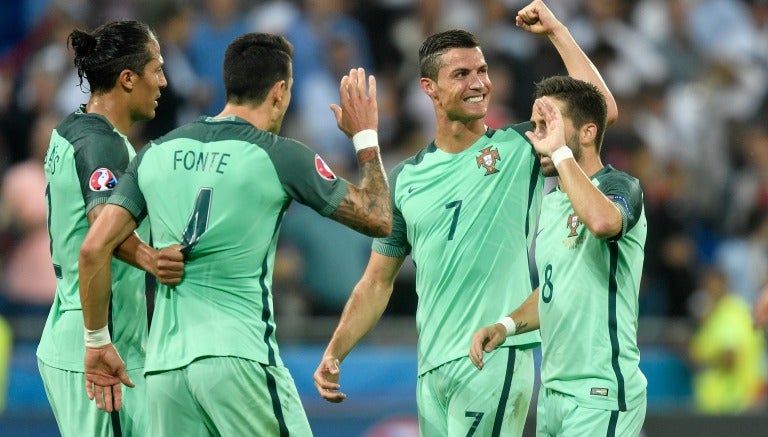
[257, 116]
[113, 109]
[456, 136]
[590, 164]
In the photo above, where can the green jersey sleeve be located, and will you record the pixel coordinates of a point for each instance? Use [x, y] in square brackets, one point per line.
[100, 155]
[127, 194]
[625, 192]
[305, 176]
[396, 243]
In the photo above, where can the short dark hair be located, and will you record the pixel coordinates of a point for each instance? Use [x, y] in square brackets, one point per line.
[253, 63]
[584, 103]
[101, 55]
[439, 43]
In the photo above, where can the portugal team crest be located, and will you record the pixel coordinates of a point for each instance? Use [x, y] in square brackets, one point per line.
[488, 160]
[574, 240]
[573, 224]
[102, 179]
[323, 170]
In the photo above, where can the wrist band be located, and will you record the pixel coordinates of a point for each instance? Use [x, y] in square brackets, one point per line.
[564, 152]
[97, 337]
[509, 325]
[364, 139]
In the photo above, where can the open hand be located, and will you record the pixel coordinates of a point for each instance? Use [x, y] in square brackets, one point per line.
[327, 380]
[359, 109]
[104, 372]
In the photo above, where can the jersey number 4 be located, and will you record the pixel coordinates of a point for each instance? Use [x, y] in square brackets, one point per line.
[198, 220]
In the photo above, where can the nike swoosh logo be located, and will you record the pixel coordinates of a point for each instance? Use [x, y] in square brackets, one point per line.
[411, 189]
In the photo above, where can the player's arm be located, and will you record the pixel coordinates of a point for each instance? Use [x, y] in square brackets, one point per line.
[111, 226]
[362, 311]
[167, 264]
[598, 213]
[537, 18]
[104, 369]
[365, 208]
[524, 319]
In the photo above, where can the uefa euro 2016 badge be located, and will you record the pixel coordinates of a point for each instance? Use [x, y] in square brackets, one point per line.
[323, 170]
[102, 179]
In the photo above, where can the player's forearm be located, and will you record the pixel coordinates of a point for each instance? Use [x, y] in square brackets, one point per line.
[137, 253]
[580, 67]
[526, 316]
[601, 217]
[110, 226]
[361, 313]
[367, 208]
[95, 284]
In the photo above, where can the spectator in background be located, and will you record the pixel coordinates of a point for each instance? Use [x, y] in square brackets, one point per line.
[743, 257]
[671, 219]
[726, 350]
[187, 94]
[218, 23]
[636, 61]
[34, 94]
[328, 42]
[749, 186]
[6, 351]
[29, 279]
[664, 23]
[36, 85]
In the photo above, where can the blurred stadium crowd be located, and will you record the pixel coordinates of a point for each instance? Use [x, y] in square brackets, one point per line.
[690, 78]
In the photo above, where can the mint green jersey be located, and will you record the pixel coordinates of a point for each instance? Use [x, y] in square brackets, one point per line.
[86, 158]
[588, 290]
[467, 220]
[221, 188]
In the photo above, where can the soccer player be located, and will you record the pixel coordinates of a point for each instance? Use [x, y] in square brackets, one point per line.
[88, 153]
[589, 254]
[220, 186]
[465, 208]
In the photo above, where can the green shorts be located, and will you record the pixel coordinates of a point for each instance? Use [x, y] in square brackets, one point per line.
[77, 415]
[558, 414]
[225, 396]
[455, 399]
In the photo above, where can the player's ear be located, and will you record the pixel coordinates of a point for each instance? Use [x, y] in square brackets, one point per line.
[277, 93]
[588, 133]
[126, 79]
[428, 86]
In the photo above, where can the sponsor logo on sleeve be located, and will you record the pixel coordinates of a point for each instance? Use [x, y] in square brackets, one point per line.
[102, 179]
[323, 170]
